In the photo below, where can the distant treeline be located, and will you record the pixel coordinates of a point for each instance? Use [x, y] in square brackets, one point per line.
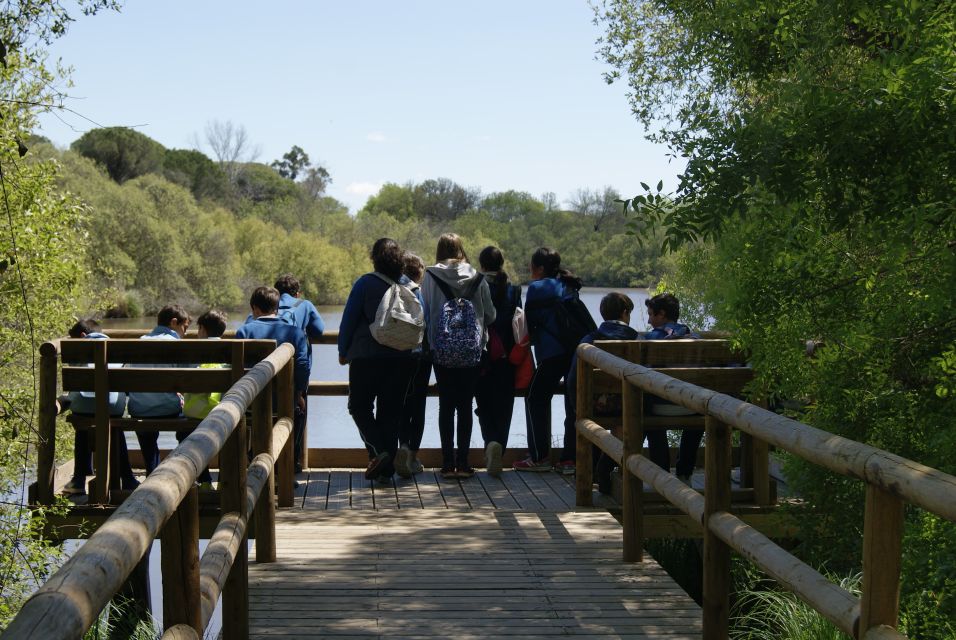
[174, 225]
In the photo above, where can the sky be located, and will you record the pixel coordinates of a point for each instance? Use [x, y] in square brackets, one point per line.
[494, 94]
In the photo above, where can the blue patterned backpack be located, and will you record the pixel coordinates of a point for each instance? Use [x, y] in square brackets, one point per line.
[458, 334]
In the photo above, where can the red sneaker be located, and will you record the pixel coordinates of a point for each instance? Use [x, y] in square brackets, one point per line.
[528, 464]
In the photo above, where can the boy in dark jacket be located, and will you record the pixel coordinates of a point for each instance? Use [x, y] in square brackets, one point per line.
[616, 311]
[663, 312]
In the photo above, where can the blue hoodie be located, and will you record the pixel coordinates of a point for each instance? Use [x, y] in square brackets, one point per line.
[546, 345]
[670, 330]
[273, 328]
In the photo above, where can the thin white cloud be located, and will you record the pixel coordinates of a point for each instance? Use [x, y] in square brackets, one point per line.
[375, 136]
[482, 138]
[363, 188]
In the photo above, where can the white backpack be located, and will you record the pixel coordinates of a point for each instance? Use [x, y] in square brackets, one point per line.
[399, 320]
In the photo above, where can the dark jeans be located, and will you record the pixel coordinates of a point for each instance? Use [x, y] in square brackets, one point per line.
[299, 417]
[83, 457]
[686, 454]
[456, 389]
[412, 426]
[376, 391]
[538, 409]
[495, 400]
[149, 443]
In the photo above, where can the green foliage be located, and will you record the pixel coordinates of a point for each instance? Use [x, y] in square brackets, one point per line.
[123, 152]
[292, 163]
[818, 204]
[195, 171]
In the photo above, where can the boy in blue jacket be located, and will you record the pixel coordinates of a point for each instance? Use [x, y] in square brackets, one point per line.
[266, 325]
[172, 322]
[300, 312]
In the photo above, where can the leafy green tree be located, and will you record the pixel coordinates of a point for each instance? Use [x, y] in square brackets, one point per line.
[261, 183]
[395, 200]
[42, 278]
[821, 176]
[195, 171]
[123, 152]
[293, 162]
[511, 205]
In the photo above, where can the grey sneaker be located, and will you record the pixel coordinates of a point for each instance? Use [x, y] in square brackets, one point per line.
[493, 459]
[403, 458]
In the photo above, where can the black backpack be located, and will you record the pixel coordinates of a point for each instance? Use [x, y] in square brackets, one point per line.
[571, 317]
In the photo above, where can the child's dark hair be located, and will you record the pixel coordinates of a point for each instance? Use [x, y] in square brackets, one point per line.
[172, 312]
[413, 266]
[287, 283]
[667, 303]
[265, 299]
[214, 322]
[550, 260]
[387, 258]
[614, 305]
[83, 327]
[450, 247]
[491, 260]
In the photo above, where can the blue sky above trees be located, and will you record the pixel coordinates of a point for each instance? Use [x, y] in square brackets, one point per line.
[496, 95]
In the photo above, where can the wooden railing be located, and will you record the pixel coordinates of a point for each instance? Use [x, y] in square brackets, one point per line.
[891, 481]
[166, 505]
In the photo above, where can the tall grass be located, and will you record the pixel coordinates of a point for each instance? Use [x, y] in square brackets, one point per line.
[763, 612]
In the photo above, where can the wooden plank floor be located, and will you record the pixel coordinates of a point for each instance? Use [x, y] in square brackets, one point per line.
[437, 573]
[321, 489]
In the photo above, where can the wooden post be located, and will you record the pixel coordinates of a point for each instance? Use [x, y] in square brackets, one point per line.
[632, 404]
[46, 427]
[584, 471]
[232, 492]
[265, 509]
[286, 464]
[882, 548]
[180, 565]
[716, 552]
[101, 387]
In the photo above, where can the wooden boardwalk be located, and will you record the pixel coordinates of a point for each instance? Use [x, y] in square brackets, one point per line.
[479, 558]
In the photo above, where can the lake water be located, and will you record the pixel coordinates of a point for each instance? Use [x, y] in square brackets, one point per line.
[330, 425]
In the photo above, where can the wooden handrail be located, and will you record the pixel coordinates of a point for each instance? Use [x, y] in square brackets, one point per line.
[69, 602]
[890, 480]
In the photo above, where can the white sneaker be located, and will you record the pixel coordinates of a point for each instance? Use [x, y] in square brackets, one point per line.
[416, 465]
[493, 459]
[403, 458]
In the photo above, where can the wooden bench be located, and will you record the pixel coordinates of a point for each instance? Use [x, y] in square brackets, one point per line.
[709, 363]
[177, 372]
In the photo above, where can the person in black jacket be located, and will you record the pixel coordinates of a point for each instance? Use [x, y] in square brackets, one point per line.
[494, 394]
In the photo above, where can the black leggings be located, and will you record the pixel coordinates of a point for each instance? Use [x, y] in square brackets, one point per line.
[456, 389]
[376, 390]
[538, 409]
[495, 399]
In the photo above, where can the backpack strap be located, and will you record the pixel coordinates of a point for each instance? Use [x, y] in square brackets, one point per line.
[384, 277]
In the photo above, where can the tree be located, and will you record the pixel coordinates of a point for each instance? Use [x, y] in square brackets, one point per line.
[316, 181]
[123, 152]
[821, 177]
[230, 146]
[292, 163]
[443, 200]
[395, 200]
[195, 171]
[41, 275]
[511, 205]
[595, 204]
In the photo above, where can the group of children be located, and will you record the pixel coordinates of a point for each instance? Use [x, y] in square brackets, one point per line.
[473, 325]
